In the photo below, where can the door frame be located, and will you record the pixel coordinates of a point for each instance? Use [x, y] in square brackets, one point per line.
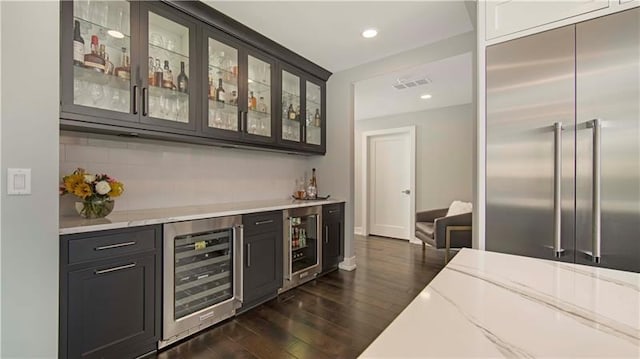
[366, 136]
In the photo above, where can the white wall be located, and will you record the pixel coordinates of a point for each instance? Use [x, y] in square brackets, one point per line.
[159, 174]
[444, 154]
[30, 100]
[339, 161]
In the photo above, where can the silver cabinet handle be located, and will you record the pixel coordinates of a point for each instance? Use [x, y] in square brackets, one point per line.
[248, 255]
[326, 234]
[134, 99]
[109, 270]
[333, 211]
[112, 246]
[264, 222]
[557, 189]
[595, 124]
[145, 101]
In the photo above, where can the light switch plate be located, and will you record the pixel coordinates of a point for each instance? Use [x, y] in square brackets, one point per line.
[19, 181]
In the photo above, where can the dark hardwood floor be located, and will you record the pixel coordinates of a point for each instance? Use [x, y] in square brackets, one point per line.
[335, 316]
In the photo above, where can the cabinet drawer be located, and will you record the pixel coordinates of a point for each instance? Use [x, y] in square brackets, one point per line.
[262, 222]
[101, 245]
[331, 210]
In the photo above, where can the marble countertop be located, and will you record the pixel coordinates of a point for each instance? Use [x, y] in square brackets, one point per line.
[123, 219]
[487, 305]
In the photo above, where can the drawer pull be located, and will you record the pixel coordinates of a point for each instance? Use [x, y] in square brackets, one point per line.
[264, 222]
[333, 211]
[109, 270]
[112, 246]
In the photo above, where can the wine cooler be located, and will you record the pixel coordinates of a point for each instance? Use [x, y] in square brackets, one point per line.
[302, 246]
[202, 275]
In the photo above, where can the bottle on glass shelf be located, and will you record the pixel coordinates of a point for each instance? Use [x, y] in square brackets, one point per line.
[262, 105]
[316, 118]
[220, 93]
[298, 113]
[183, 80]
[212, 88]
[312, 190]
[252, 101]
[108, 67]
[124, 70]
[78, 45]
[152, 70]
[234, 98]
[158, 73]
[93, 59]
[291, 113]
[167, 76]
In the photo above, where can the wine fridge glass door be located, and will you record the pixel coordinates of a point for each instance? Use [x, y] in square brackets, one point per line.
[291, 102]
[223, 91]
[102, 55]
[304, 242]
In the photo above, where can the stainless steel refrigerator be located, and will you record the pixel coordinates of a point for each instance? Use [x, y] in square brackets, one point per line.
[563, 143]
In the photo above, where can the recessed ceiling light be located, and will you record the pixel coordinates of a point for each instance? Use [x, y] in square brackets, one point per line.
[369, 33]
[425, 96]
[115, 33]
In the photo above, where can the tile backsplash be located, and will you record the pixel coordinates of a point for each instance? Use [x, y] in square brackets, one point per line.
[159, 174]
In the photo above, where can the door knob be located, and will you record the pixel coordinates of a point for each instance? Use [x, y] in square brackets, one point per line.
[406, 191]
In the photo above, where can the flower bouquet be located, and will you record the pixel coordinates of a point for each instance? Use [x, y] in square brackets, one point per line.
[95, 190]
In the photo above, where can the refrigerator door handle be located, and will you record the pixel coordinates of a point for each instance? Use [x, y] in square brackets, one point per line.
[557, 190]
[595, 255]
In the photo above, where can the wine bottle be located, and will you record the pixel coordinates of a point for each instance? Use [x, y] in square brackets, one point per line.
[124, 70]
[312, 190]
[291, 114]
[220, 93]
[152, 77]
[93, 59]
[316, 118]
[167, 76]
[78, 45]
[252, 102]
[183, 80]
[158, 73]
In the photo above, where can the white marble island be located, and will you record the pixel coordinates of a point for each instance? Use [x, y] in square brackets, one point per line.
[486, 305]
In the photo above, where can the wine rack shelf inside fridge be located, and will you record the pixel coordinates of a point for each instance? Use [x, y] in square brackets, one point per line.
[304, 242]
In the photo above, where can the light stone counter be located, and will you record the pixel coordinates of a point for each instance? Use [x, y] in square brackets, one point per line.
[123, 219]
[488, 305]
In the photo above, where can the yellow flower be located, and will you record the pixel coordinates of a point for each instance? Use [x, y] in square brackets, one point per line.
[116, 189]
[71, 182]
[83, 190]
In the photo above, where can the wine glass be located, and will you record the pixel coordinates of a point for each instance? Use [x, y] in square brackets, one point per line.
[97, 93]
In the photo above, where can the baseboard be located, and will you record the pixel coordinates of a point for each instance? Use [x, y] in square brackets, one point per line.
[348, 264]
[358, 231]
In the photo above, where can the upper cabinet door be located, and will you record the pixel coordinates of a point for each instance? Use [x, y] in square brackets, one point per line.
[290, 114]
[169, 71]
[98, 47]
[314, 111]
[259, 115]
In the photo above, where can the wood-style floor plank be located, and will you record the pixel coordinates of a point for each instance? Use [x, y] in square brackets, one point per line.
[335, 316]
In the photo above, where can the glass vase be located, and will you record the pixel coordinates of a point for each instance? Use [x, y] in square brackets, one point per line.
[98, 208]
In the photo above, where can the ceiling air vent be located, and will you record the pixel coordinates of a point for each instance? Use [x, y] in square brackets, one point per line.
[402, 84]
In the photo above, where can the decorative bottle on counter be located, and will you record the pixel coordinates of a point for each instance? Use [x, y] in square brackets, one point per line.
[312, 190]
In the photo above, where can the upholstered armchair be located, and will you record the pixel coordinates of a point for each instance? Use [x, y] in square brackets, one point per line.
[439, 230]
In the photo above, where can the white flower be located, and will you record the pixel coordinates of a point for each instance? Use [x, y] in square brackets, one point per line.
[89, 178]
[103, 187]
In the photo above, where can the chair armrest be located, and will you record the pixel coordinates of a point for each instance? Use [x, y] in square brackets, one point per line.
[461, 239]
[431, 215]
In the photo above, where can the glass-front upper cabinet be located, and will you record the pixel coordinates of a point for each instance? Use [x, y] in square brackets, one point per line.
[97, 56]
[314, 112]
[259, 115]
[168, 71]
[222, 88]
[291, 107]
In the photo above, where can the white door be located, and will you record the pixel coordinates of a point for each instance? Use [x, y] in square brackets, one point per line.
[389, 189]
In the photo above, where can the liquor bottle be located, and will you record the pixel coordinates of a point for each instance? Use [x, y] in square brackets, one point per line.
[234, 98]
[291, 114]
[167, 76]
[212, 88]
[124, 70]
[262, 106]
[220, 93]
[93, 59]
[183, 80]
[78, 45]
[158, 73]
[152, 77]
[316, 118]
[252, 102]
[312, 190]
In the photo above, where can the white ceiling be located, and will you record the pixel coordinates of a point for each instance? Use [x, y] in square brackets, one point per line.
[451, 84]
[328, 32]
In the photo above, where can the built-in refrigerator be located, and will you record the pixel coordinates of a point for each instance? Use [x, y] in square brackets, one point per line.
[563, 143]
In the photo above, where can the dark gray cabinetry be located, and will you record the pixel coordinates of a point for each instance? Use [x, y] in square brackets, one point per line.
[110, 293]
[333, 236]
[262, 257]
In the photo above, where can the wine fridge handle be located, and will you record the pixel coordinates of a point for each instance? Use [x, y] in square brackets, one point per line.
[239, 266]
[290, 253]
[326, 233]
[595, 125]
[557, 189]
[134, 100]
[145, 101]
[248, 255]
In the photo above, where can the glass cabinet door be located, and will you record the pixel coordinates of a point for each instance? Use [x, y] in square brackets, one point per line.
[167, 74]
[222, 87]
[313, 112]
[102, 55]
[259, 97]
[291, 103]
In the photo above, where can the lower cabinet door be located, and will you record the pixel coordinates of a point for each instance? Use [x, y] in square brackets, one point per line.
[332, 244]
[263, 267]
[112, 308]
